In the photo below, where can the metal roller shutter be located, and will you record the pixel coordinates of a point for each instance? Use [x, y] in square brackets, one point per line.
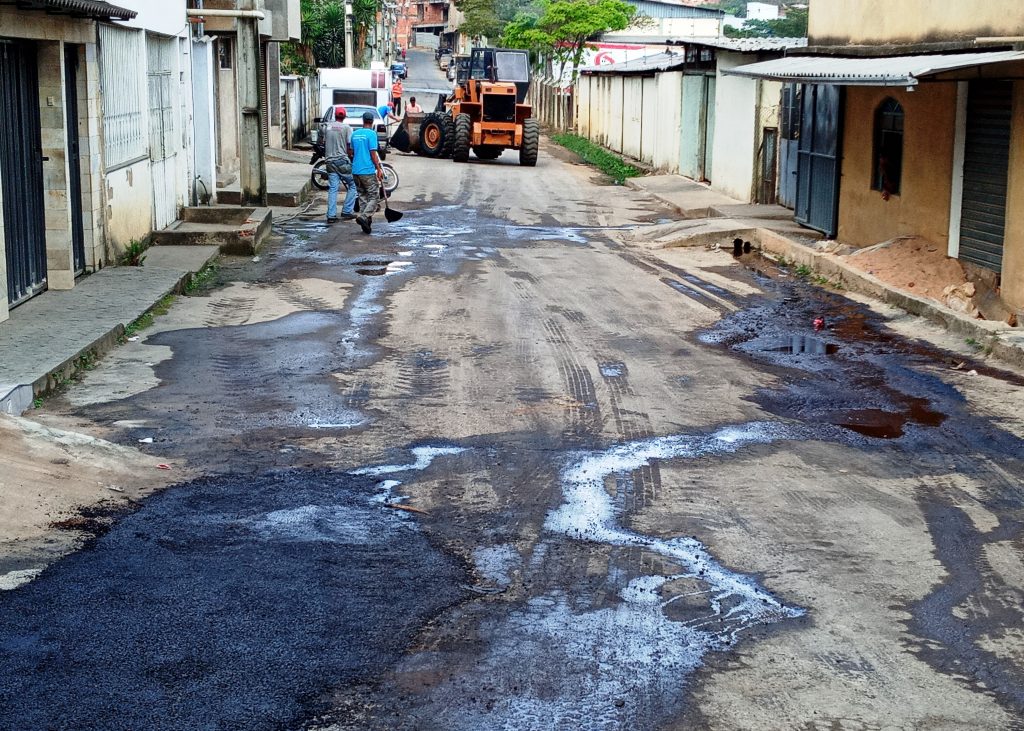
[986, 169]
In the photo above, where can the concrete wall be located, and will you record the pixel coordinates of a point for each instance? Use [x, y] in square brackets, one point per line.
[736, 136]
[879, 22]
[227, 112]
[1013, 248]
[633, 115]
[922, 207]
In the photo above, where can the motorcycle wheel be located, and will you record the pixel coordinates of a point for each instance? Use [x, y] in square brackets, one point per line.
[319, 176]
[390, 179]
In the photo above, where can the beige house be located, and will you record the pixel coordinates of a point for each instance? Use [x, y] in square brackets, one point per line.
[52, 199]
[910, 122]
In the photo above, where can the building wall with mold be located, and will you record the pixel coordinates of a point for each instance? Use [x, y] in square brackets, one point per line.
[922, 206]
[911, 22]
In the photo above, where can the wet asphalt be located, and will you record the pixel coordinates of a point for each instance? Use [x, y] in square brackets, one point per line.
[340, 566]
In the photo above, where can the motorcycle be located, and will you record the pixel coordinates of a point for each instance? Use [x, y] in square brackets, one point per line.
[319, 175]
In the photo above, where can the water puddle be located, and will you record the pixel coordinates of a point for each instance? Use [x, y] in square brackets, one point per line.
[881, 424]
[802, 345]
[566, 661]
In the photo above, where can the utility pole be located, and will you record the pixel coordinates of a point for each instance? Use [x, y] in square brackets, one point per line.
[348, 36]
[253, 165]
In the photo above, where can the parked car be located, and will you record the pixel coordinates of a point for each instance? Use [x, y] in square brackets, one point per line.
[440, 51]
[400, 70]
[354, 119]
[445, 61]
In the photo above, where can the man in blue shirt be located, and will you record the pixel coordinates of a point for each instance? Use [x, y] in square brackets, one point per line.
[367, 171]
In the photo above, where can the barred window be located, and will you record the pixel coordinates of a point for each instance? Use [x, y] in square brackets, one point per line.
[122, 81]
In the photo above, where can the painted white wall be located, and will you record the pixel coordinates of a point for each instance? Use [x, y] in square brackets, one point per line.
[762, 11]
[669, 111]
[734, 150]
[129, 205]
[633, 111]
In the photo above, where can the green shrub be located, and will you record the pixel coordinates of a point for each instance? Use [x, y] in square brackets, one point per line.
[610, 164]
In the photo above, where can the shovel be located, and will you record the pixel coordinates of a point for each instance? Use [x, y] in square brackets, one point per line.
[390, 213]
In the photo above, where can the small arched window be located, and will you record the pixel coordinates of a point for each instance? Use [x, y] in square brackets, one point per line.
[888, 169]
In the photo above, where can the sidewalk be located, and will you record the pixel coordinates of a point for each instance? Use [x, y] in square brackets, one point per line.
[48, 337]
[712, 218]
[288, 181]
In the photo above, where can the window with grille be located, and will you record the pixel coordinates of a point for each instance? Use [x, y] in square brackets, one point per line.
[888, 147]
[161, 78]
[122, 81]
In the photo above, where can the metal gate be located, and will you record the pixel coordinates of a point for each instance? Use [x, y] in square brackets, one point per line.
[74, 157]
[21, 172]
[162, 81]
[817, 186]
[986, 171]
[789, 144]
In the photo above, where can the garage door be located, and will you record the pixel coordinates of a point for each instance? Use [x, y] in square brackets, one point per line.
[986, 169]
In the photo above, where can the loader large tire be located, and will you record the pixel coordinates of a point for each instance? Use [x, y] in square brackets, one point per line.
[531, 143]
[463, 136]
[433, 133]
[449, 135]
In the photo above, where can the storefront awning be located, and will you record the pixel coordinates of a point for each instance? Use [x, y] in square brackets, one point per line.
[882, 71]
[79, 8]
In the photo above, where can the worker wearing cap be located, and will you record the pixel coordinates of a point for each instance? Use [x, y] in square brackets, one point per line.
[367, 170]
[338, 153]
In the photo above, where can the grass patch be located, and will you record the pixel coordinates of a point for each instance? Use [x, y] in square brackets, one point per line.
[610, 164]
[134, 254]
[803, 271]
[146, 318]
[203, 279]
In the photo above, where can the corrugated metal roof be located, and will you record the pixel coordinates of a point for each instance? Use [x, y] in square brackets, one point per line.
[670, 60]
[664, 61]
[883, 71]
[749, 45]
[740, 45]
[83, 8]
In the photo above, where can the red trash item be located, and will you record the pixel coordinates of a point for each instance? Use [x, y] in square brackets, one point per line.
[163, 467]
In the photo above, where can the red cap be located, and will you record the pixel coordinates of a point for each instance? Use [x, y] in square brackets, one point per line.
[340, 113]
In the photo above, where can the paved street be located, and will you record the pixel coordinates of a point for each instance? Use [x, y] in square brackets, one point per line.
[492, 468]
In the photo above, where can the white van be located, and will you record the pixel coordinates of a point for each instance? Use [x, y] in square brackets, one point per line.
[367, 87]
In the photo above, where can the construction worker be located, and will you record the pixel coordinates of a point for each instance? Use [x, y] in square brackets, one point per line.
[396, 95]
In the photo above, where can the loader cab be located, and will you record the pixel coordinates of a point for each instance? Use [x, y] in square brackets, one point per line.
[500, 64]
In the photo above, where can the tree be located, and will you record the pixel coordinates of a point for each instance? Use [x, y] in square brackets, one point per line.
[481, 18]
[565, 28]
[323, 35]
[323, 38]
[794, 25]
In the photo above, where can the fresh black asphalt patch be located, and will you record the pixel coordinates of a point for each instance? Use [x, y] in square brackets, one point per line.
[233, 602]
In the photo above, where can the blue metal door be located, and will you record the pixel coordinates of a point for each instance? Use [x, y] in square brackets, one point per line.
[789, 144]
[21, 171]
[817, 189]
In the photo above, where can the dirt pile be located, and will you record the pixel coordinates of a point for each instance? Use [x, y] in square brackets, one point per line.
[921, 267]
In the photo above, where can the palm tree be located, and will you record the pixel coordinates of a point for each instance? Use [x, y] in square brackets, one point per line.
[364, 17]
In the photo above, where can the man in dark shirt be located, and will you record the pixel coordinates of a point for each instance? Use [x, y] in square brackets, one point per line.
[338, 153]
